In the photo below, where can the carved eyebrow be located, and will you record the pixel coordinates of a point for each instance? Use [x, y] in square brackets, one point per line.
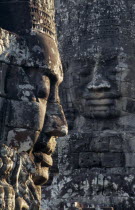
[50, 75]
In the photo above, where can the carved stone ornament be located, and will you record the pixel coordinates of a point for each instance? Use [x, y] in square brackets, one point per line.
[31, 116]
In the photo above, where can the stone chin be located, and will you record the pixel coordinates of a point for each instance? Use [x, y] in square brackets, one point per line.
[43, 163]
[42, 175]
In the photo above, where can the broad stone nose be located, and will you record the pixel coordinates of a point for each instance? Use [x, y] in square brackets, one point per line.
[98, 82]
[55, 121]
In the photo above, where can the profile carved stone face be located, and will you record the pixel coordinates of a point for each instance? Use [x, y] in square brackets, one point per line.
[31, 117]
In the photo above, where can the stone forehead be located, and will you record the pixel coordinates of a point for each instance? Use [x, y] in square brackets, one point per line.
[94, 24]
[108, 19]
[16, 51]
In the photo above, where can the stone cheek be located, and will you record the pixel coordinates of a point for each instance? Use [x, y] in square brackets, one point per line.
[22, 139]
[20, 114]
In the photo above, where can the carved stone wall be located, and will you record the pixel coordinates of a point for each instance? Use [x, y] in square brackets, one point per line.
[96, 161]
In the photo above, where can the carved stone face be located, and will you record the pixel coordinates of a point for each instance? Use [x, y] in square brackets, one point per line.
[98, 82]
[31, 114]
[31, 117]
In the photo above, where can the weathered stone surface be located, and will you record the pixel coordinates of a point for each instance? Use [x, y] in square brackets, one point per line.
[95, 161]
[20, 114]
[31, 116]
[96, 41]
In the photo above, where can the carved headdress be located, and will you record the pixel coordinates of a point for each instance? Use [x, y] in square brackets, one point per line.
[22, 17]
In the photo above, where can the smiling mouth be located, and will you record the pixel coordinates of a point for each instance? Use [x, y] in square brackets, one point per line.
[100, 107]
[43, 159]
[100, 102]
[43, 163]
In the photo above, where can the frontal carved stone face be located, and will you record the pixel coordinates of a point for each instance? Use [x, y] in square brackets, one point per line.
[93, 53]
[97, 82]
